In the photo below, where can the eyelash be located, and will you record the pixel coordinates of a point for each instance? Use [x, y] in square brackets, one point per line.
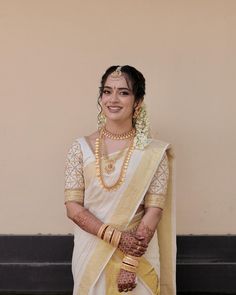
[123, 93]
[106, 91]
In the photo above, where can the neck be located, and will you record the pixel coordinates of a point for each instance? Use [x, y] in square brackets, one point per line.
[118, 127]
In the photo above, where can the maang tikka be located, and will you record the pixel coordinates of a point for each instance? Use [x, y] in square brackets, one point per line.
[117, 73]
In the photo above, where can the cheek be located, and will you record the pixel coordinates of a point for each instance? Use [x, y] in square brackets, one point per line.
[103, 100]
[129, 105]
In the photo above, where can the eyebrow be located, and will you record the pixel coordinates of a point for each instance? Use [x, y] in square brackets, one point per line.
[120, 88]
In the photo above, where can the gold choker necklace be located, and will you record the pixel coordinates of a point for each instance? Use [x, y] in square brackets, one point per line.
[122, 136]
[98, 157]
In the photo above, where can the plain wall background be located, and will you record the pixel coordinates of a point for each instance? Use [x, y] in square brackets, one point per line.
[52, 56]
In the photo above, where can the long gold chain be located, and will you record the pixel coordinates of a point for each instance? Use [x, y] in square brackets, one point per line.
[98, 157]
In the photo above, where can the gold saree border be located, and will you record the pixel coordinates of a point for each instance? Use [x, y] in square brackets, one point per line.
[75, 195]
[123, 213]
[154, 200]
[167, 236]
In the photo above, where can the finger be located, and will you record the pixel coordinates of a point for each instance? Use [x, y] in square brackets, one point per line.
[131, 286]
[139, 238]
[140, 249]
[138, 253]
[125, 287]
[140, 243]
[122, 288]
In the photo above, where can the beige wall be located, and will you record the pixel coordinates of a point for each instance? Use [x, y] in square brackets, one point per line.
[52, 55]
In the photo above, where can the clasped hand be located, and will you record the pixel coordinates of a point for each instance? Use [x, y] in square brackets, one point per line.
[132, 244]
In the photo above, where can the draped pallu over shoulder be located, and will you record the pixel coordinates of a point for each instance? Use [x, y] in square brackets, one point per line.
[123, 212]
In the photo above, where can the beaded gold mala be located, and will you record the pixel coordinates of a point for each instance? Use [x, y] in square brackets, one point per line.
[98, 157]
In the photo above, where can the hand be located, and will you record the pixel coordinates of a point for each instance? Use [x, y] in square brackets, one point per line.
[132, 244]
[126, 281]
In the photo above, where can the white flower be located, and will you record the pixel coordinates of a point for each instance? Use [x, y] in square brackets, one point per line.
[142, 126]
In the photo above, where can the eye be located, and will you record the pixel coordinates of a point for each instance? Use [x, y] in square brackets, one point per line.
[105, 91]
[124, 93]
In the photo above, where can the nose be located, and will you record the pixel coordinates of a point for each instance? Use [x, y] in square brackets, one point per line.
[114, 96]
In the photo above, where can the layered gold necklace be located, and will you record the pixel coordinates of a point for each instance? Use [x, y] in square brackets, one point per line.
[110, 166]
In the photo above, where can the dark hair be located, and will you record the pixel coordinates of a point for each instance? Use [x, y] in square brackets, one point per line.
[134, 79]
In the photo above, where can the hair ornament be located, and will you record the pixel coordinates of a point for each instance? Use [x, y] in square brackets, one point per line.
[117, 73]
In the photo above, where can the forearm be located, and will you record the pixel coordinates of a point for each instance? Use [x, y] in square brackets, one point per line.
[149, 222]
[83, 218]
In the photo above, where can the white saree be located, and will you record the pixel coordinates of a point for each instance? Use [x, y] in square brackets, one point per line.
[96, 264]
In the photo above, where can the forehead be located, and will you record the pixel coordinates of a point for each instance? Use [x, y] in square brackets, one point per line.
[118, 82]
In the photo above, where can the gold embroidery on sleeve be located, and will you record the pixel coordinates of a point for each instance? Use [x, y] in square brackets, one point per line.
[155, 196]
[74, 179]
[74, 195]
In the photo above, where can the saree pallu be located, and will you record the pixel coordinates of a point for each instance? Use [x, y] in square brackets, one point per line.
[96, 264]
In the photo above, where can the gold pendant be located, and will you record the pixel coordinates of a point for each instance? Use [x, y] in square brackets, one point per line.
[109, 166]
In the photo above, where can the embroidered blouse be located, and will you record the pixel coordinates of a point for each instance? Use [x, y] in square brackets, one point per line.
[74, 179]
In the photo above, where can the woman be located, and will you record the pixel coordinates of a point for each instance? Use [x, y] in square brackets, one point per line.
[115, 191]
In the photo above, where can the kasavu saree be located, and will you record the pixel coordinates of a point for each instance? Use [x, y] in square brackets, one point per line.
[96, 264]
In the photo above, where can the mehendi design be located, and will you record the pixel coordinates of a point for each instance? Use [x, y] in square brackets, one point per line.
[87, 221]
[126, 281]
[145, 231]
[132, 244]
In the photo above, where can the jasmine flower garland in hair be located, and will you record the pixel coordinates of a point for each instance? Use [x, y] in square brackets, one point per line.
[101, 120]
[142, 126]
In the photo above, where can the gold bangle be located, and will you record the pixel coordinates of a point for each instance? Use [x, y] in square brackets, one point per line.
[101, 230]
[128, 267]
[130, 261]
[115, 238]
[108, 233]
[133, 257]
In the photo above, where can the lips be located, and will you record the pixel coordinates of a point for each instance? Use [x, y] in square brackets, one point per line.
[114, 109]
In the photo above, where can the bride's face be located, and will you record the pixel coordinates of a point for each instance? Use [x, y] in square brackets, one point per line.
[117, 99]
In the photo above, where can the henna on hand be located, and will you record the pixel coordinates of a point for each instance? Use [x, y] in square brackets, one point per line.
[126, 281]
[145, 231]
[83, 218]
[132, 244]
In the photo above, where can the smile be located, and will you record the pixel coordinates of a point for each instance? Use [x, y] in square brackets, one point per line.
[114, 109]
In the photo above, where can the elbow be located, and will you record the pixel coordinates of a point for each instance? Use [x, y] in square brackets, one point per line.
[70, 210]
[68, 213]
[73, 210]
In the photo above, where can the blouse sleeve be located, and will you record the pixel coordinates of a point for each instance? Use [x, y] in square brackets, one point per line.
[74, 179]
[156, 194]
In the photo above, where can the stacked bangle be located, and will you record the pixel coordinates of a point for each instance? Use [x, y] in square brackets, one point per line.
[109, 234]
[115, 239]
[101, 230]
[130, 263]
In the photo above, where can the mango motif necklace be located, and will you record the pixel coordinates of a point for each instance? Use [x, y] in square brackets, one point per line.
[110, 166]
